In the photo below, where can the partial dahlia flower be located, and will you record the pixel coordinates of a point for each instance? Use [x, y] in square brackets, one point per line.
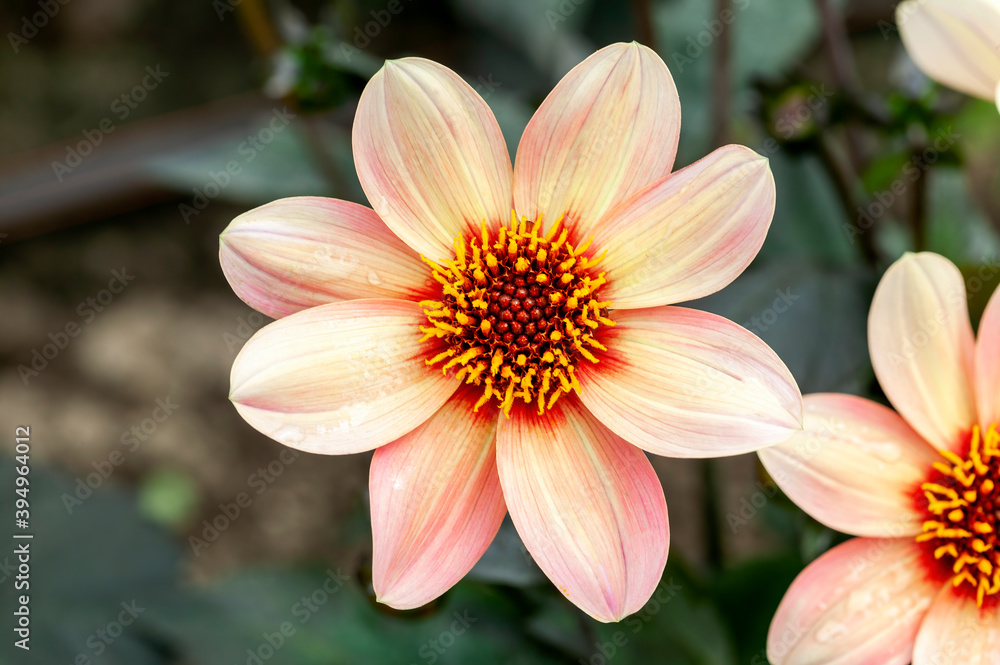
[919, 486]
[499, 337]
[955, 42]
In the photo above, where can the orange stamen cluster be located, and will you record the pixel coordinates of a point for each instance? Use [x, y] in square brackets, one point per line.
[518, 310]
[963, 505]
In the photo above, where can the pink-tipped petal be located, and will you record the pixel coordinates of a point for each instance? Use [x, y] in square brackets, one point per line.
[685, 383]
[855, 467]
[608, 129]
[689, 234]
[436, 503]
[430, 155]
[861, 603]
[956, 631]
[339, 378]
[988, 364]
[587, 505]
[921, 346]
[300, 252]
[954, 42]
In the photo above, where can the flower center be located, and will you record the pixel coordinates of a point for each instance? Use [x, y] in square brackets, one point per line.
[517, 312]
[963, 507]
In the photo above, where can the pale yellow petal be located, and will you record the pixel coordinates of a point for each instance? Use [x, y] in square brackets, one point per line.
[608, 129]
[861, 603]
[689, 234]
[956, 631]
[855, 467]
[300, 252]
[430, 155]
[685, 383]
[955, 42]
[339, 378]
[921, 345]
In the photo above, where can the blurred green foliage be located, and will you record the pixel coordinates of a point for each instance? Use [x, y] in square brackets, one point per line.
[806, 295]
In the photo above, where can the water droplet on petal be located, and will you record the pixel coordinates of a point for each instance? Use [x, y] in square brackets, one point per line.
[289, 434]
[830, 631]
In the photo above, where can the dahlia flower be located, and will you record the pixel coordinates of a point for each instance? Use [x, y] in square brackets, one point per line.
[955, 42]
[499, 335]
[919, 485]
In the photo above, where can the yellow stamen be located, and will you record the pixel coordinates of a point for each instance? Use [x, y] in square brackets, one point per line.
[962, 511]
[517, 311]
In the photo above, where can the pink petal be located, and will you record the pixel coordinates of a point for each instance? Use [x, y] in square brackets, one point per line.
[684, 383]
[988, 363]
[856, 467]
[922, 345]
[861, 603]
[300, 252]
[430, 155]
[956, 631]
[339, 378]
[954, 42]
[689, 234]
[608, 129]
[436, 503]
[587, 505]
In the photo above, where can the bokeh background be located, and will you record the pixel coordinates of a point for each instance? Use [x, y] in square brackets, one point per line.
[118, 119]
